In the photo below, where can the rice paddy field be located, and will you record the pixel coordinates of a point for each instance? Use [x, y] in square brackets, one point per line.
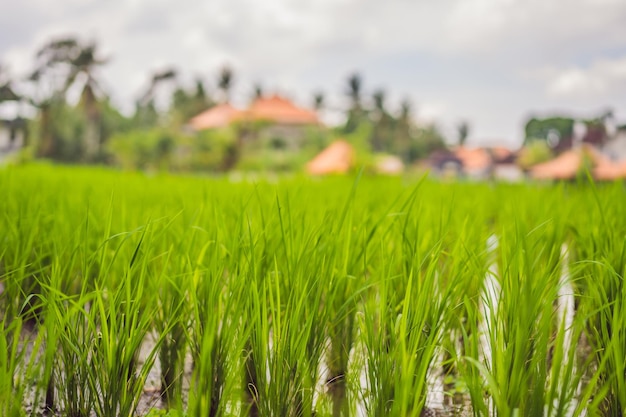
[123, 294]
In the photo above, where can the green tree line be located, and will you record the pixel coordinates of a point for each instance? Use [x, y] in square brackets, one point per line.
[93, 130]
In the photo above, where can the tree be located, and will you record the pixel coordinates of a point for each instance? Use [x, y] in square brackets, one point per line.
[225, 82]
[404, 131]
[355, 114]
[381, 139]
[562, 128]
[534, 153]
[77, 62]
[186, 104]
[258, 92]
[318, 101]
[425, 140]
[354, 89]
[379, 100]
[146, 115]
[463, 132]
[405, 110]
[43, 98]
[201, 100]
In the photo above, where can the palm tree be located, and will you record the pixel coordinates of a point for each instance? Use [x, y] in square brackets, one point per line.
[355, 112]
[379, 101]
[258, 92]
[381, 134]
[463, 131]
[405, 110]
[354, 90]
[225, 82]
[188, 103]
[80, 61]
[157, 79]
[318, 101]
[85, 63]
[404, 130]
[146, 114]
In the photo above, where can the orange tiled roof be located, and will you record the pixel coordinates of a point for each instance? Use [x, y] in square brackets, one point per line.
[567, 165]
[337, 158]
[612, 171]
[606, 169]
[564, 166]
[473, 159]
[500, 152]
[279, 110]
[218, 116]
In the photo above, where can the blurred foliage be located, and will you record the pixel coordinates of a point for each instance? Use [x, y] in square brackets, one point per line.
[67, 124]
[170, 149]
[143, 149]
[188, 103]
[156, 135]
[535, 152]
[540, 129]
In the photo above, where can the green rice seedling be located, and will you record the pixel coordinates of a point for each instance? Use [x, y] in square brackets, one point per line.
[172, 313]
[72, 372]
[350, 239]
[216, 333]
[286, 375]
[605, 304]
[376, 325]
[520, 335]
[22, 260]
[120, 317]
[287, 332]
[171, 283]
[12, 385]
[401, 340]
[404, 319]
[600, 254]
[217, 345]
[463, 271]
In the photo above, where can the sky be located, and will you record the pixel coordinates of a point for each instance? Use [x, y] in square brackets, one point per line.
[492, 63]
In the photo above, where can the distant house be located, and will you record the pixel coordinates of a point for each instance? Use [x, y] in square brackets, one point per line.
[216, 117]
[12, 135]
[13, 128]
[271, 120]
[477, 163]
[615, 148]
[337, 158]
[445, 163]
[570, 163]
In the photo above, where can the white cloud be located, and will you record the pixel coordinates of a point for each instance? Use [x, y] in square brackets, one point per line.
[603, 76]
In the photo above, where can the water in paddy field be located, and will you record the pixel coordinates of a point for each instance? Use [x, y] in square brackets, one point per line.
[490, 299]
[566, 310]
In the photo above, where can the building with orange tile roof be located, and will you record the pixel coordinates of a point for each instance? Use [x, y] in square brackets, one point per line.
[570, 163]
[274, 109]
[279, 110]
[216, 117]
[337, 158]
[269, 121]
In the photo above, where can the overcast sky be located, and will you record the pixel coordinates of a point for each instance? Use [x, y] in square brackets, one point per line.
[490, 62]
